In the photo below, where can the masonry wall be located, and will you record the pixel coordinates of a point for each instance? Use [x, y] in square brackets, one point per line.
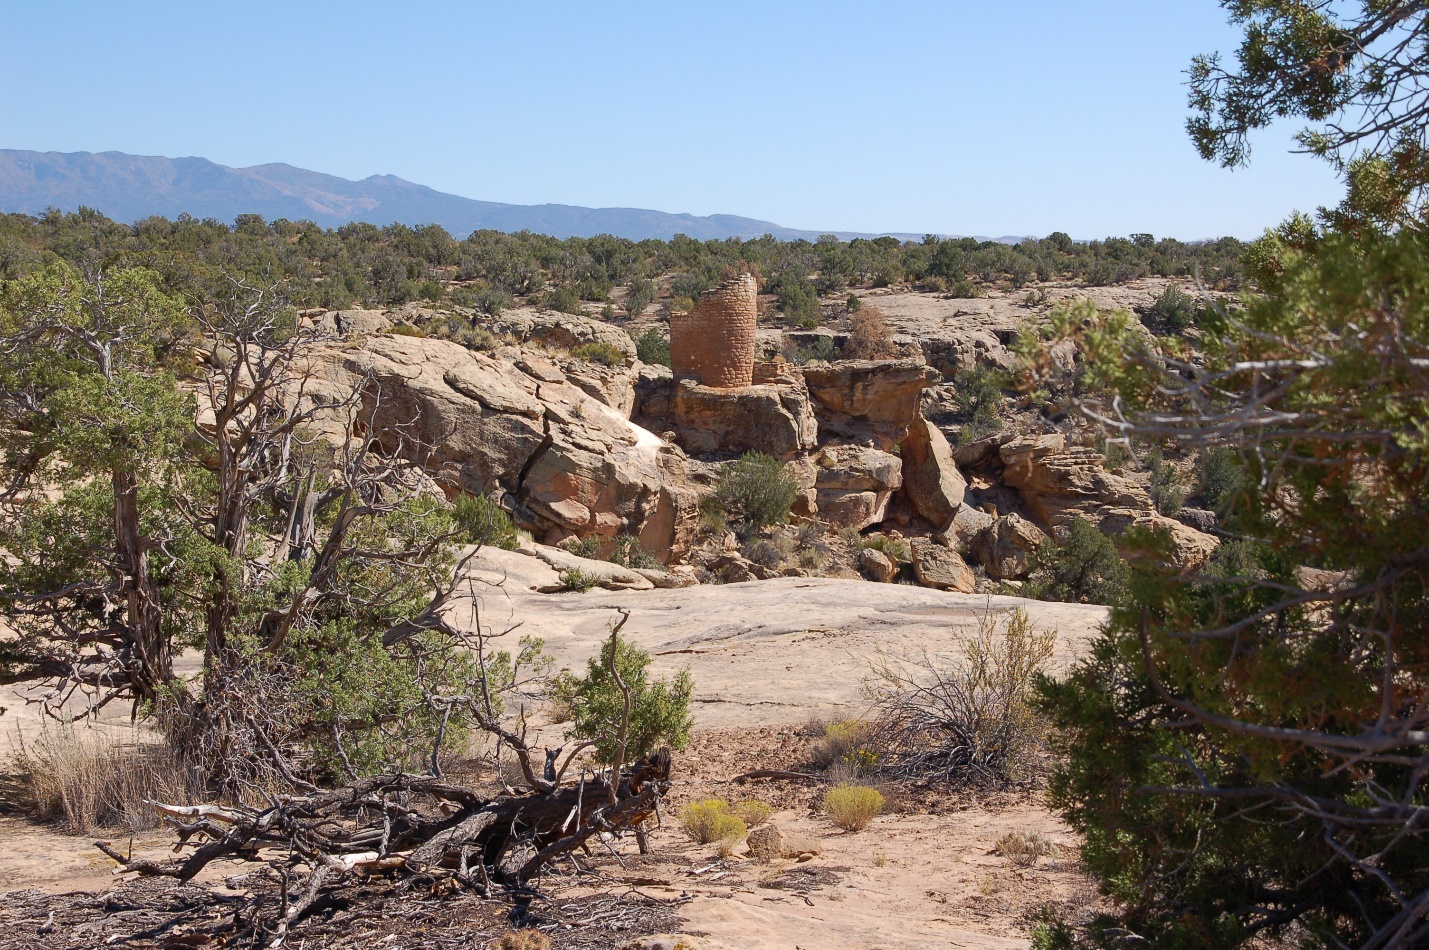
[714, 342]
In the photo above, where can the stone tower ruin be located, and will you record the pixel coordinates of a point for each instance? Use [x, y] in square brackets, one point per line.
[714, 342]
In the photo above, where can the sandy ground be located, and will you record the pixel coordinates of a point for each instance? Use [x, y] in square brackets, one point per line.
[766, 657]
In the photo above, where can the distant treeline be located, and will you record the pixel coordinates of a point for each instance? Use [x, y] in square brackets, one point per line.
[365, 265]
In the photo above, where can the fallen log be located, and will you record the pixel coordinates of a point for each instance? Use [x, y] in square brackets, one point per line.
[396, 822]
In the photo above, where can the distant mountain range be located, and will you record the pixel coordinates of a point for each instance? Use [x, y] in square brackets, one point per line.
[131, 187]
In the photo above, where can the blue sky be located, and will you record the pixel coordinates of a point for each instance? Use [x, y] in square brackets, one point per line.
[995, 118]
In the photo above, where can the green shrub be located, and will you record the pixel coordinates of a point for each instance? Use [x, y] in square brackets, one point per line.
[1220, 474]
[711, 821]
[490, 300]
[402, 329]
[1167, 492]
[753, 492]
[897, 549]
[483, 521]
[627, 552]
[852, 807]
[563, 298]
[660, 708]
[753, 812]
[653, 347]
[640, 295]
[822, 350]
[977, 398]
[578, 581]
[607, 354]
[1084, 568]
[844, 748]
[1174, 309]
[852, 304]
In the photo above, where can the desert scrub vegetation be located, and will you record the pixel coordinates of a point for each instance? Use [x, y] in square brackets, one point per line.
[713, 821]
[1023, 848]
[606, 354]
[968, 718]
[843, 746]
[753, 812]
[852, 807]
[653, 347]
[869, 336]
[85, 778]
[658, 709]
[1082, 566]
[483, 521]
[977, 400]
[753, 492]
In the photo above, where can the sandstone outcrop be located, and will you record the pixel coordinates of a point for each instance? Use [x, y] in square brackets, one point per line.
[858, 400]
[569, 463]
[1059, 483]
[560, 331]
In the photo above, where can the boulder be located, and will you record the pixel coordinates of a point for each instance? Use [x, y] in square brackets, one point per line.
[353, 324]
[1004, 547]
[1191, 549]
[931, 479]
[854, 484]
[853, 509]
[940, 567]
[877, 565]
[859, 468]
[877, 399]
[1198, 518]
[967, 522]
[770, 841]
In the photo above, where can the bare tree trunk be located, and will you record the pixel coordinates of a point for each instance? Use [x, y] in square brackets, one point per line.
[150, 662]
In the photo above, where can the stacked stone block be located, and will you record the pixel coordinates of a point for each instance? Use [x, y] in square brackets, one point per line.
[714, 342]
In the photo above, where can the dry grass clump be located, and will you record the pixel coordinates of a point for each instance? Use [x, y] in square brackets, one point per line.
[970, 718]
[844, 743]
[1023, 848]
[852, 807]
[712, 821]
[87, 779]
[524, 940]
[753, 812]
